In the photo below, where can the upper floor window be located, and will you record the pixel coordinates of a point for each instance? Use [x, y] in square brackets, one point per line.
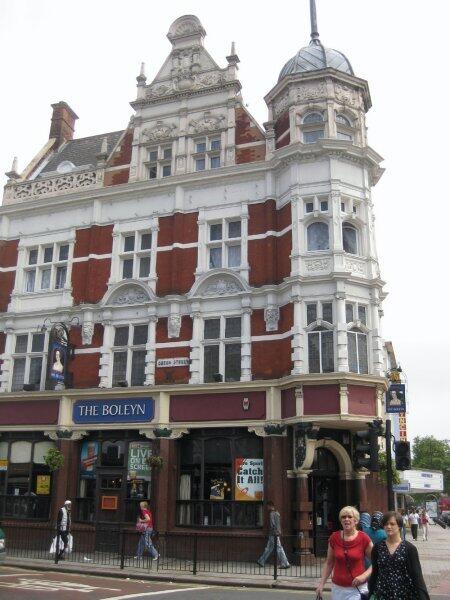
[224, 244]
[159, 162]
[344, 128]
[222, 349]
[317, 236]
[207, 153]
[311, 127]
[46, 267]
[355, 312]
[349, 238]
[29, 361]
[357, 351]
[129, 351]
[135, 256]
[317, 204]
[321, 350]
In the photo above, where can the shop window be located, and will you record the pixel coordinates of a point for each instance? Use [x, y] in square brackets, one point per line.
[135, 255]
[222, 349]
[113, 454]
[221, 480]
[321, 350]
[25, 486]
[224, 244]
[29, 361]
[129, 352]
[47, 267]
[357, 351]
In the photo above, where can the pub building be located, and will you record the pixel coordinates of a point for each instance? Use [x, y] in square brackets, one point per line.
[191, 305]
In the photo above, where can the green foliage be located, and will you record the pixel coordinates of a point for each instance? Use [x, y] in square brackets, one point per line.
[430, 453]
[383, 470]
[155, 461]
[54, 459]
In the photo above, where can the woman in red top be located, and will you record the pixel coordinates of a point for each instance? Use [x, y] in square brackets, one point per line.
[347, 550]
[145, 525]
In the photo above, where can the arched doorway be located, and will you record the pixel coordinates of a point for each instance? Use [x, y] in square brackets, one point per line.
[324, 491]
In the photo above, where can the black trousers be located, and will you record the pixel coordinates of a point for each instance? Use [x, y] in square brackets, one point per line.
[414, 529]
[64, 535]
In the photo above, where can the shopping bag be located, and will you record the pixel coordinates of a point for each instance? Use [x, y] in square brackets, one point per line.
[61, 544]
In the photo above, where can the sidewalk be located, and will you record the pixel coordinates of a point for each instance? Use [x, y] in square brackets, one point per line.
[435, 559]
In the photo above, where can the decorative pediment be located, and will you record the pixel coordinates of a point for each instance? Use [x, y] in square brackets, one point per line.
[159, 132]
[126, 295]
[220, 286]
[185, 26]
[207, 123]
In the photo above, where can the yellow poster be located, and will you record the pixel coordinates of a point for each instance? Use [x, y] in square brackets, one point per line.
[43, 484]
[3, 465]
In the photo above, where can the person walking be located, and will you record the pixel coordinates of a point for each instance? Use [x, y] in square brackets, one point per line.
[274, 534]
[425, 521]
[347, 550]
[396, 570]
[405, 524]
[145, 526]
[413, 519]
[63, 526]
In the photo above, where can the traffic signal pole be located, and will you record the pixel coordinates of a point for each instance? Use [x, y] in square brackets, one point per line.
[390, 491]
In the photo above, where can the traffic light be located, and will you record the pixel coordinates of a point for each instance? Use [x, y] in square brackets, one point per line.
[402, 456]
[366, 447]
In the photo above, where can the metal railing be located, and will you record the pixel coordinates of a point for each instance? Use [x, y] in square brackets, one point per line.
[178, 552]
[227, 513]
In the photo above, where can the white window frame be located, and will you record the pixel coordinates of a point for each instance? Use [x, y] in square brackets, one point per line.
[313, 329]
[318, 126]
[356, 322]
[40, 267]
[346, 223]
[224, 243]
[160, 161]
[308, 224]
[221, 341]
[129, 348]
[208, 153]
[136, 254]
[361, 331]
[345, 131]
[28, 355]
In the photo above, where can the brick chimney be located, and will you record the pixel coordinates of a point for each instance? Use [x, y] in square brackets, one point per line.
[63, 123]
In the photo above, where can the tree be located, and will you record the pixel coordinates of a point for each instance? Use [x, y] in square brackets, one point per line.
[430, 453]
[382, 460]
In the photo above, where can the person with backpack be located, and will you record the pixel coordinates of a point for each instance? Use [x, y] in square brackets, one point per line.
[145, 527]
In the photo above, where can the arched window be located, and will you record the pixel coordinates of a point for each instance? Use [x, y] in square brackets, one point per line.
[321, 350]
[342, 120]
[317, 236]
[344, 128]
[357, 351]
[350, 238]
[311, 131]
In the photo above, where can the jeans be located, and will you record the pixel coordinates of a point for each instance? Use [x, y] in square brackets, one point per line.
[414, 529]
[269, 549]
[145, 541]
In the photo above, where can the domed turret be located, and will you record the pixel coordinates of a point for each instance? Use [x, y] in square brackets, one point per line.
[315, 56]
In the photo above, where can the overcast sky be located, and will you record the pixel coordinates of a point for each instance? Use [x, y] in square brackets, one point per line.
[88, 53]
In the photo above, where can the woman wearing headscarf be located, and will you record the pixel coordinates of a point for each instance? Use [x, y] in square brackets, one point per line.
[396, 570]
[347, 550]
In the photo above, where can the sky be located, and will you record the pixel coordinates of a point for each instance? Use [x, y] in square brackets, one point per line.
[88, 53]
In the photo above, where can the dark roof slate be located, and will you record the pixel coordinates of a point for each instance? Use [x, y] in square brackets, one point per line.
[82, 151]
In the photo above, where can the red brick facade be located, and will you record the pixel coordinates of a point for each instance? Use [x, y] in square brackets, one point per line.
[90, 277]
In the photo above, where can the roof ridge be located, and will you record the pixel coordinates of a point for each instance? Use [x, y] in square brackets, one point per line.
[96, 135]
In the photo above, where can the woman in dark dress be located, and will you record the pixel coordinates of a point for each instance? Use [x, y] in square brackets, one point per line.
[396, 571]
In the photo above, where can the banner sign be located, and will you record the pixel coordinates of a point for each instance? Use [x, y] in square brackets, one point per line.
[138, 456]
[173, 362]
[58, 353]
[396, 398]
[129, 410]
[249, 483]
[43, 484]
[88, 458]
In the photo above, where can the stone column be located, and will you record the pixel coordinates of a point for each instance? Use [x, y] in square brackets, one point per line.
[164, 491]
[342, 350]
[377, 340]
[195, 345]
[360, 490]
[62, 477]
[150, 356]
[275, 477]
[303, 510]
[246, 346]
[298, 339]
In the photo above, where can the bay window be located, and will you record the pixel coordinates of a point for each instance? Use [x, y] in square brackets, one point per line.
[357, 351]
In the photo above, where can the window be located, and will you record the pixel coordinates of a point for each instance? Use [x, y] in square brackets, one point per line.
[357, 351]
[29, 361]
[324, 206]
[349, 238]
[309, 207]
[317, 236]
[159, 162]
[311, 131]
[207, 153]
[362, 314]
[222, 349]
[46, 267]
[321, 350]
[344, 128]
[209, 486]
[349, 312]
[224, 245]
[135, 257]
[129, 352]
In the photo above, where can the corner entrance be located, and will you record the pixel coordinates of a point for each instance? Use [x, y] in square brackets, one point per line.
[324, 491]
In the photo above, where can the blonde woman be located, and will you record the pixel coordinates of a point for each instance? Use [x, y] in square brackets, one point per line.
[347, 550]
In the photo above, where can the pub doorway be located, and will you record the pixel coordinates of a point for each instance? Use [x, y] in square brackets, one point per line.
[324, 491]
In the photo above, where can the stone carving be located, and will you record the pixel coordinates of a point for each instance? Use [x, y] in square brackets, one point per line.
[354, 266]
[280, 105]
[52, 186]
[131, 295]
[87, 331]
[184, 80]
[159, 132]
[311, 92]
[271, 317]
[207, 123]
[185, 26]
[173, 326]
[318, 264]
[345, 94]
[221, 287]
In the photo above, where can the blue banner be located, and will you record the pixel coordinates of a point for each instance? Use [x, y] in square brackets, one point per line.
[126, 410]
[395, 398]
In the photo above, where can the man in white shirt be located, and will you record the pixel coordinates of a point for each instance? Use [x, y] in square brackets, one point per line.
[63, 525]
[413, 519]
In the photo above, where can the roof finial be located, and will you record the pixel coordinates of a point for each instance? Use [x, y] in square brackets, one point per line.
[141, 78]
[313, 13]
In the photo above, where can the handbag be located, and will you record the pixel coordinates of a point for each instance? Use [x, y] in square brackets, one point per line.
[362, 595]
[141, 527]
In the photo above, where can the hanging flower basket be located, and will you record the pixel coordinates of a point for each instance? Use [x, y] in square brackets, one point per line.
[54, 459]
[156, 461]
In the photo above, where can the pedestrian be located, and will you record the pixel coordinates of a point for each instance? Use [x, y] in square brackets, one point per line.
[405, 524]
[63, 526]
[396, 570]
[274, 534]
[347, 550]
[413, 519]
[145, 526]
[425, 521]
